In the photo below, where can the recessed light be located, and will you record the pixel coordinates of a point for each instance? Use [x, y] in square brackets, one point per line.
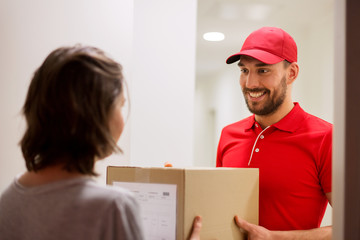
[214, 36]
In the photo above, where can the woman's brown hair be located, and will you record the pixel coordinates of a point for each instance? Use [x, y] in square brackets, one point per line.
[67, 109]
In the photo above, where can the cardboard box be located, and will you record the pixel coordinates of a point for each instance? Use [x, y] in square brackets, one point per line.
[216, 194]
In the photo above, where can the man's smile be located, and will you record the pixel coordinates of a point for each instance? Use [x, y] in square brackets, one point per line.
[257, 94]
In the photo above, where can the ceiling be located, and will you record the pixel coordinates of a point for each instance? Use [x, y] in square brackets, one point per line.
[238, 18]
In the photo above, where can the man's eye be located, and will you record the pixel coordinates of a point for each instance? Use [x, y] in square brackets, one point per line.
[263, 70]
[243, 70]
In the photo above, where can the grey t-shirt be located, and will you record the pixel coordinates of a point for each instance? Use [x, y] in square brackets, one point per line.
[69, 209]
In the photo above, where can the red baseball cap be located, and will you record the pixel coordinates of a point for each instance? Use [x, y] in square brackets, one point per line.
[269, 45]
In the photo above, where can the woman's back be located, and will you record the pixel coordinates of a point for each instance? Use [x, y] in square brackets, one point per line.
[75, 208]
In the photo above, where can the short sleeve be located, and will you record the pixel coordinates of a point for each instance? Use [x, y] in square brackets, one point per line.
[219, 151]
[325, 164]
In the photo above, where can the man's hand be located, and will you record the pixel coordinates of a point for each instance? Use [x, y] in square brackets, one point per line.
[254, 232]
[195, 235]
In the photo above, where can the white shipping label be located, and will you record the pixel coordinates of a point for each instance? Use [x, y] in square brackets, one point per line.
[157, 208]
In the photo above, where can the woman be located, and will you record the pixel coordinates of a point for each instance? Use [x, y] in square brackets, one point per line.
[73, 114]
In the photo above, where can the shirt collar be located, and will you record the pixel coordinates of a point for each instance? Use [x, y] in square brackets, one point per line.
[289, 123]
[250, 123]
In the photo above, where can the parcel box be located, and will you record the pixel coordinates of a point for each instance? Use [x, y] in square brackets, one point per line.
[170, 198]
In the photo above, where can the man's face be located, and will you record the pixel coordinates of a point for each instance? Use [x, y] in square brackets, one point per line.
[264, 86]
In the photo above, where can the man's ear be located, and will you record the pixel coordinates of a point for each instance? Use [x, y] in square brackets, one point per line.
[292, 72]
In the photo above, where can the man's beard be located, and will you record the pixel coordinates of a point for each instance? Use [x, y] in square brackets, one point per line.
[272, 104]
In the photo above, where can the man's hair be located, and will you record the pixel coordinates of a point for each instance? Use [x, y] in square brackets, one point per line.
[286, 63]
[67, 109]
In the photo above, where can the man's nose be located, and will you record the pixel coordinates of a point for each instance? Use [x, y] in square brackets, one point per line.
[251, 81]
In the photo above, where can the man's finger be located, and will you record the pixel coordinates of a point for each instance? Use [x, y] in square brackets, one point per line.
[195, 235]
[241, 223]
[197, 225]
[167, 164]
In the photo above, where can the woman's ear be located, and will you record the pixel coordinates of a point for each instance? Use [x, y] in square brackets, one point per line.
[292, 72]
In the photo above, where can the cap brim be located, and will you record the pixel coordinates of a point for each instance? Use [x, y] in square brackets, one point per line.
[262, 56]
[233, 58]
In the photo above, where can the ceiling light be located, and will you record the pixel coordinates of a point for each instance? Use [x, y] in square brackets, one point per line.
[214, 36]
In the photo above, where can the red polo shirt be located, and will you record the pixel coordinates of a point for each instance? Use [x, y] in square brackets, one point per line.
[294, 161]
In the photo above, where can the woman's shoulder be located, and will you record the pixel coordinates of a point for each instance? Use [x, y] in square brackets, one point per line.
[92, 189]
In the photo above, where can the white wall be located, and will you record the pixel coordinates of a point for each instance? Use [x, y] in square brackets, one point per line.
[163, 82]
[153, 39]
[219, 102]
[314, 88]
[29, 31]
